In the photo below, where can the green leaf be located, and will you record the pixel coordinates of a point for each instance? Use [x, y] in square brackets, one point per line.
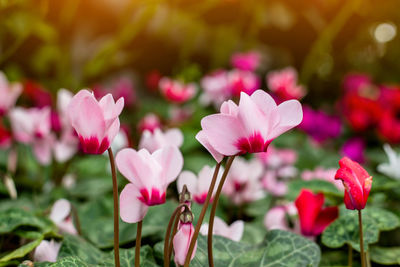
[14, 218]
[279, 248]
[385, 255]
[314, 185]
[345, 229]
[22, 251]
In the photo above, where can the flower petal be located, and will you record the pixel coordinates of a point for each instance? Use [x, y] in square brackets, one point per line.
[171, 161]
[202, 138]
[132, 210]
[291, 114]
[189, 179]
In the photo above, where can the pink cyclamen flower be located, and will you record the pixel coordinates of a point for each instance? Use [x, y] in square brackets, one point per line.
[275, 158]
[61, 215]
[181, 243]
[198, 186]
[243, 184]
[33, 126]
[273, 185]
[47, 251]
[357, 183]
[313, 217]
[354, 148]
[276, 217]
[96, 122]
[233, 232]
[119, 87]
[242, 81]
[150, 122]
[215, 87]
[320, 173]
[176, 91]
[284, 85]
[246, 61]
[9, 93]
[149, 176]
[158, 139]
[250, 126]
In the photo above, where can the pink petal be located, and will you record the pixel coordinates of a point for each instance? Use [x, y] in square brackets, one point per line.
[253, 120]
[174, 137]
[171, 161]
[47, 251]
[291, 114]
[60, 210]
[132, 210]
[236, 230]
[42, 149]
[181, 243]
[276, 219]
[190, 180]
[202, 138]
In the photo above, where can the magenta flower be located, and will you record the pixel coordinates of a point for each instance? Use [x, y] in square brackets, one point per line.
[242, 81]
[250, 126]
[246, 61]
[284, 85]
[354, 149]
[9, 93]
[181, 243]
[198, 185]
[150, 122]
[158, 139]
[33, 126]
[233, 232]
[357, 82]
[319, 125]
[149, 176]
[96, 122]
[176, 91]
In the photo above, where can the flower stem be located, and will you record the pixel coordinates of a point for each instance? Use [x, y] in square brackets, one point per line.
[138, 241]
[213, 210]
[167, 245]
[201, 217]
[361, 239]
[76, 219]
[116, 215]
[350, 256]
[174, 230]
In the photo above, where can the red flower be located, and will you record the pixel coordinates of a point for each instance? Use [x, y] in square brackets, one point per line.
[356, 181]
[313, 218]
[5, 137]
[37, 94]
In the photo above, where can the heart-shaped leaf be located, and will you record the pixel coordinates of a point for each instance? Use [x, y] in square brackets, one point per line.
[385, 255]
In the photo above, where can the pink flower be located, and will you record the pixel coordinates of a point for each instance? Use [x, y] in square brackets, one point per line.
[275, 158]
[47, 251]
[357, 183]
[119, 87]
[159, 139]
[9, 93]
[273, 185]
[181, 243]
[250, 126]
[198, 186]
[233, 232]
[202, 138]
[149, 176]
[33, 126]
[313, 217]
[242, 81]
[215, 87]
[96, 122]
[176, 91]
[246, 61]
[283, 84]
[356, 82]
[322, 174]
[354, 149]
[150, 122]
[276, 217]
[243, 183]
[61, 215]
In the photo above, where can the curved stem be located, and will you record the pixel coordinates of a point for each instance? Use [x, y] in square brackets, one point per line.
[174, 218]
[201, 217]
[174, 230]
[138, 241]
[116, 215]
[361, 239]
[213, 210]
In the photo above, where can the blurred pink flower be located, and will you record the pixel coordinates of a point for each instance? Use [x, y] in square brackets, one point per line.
[47, 251]
[176, 91]
[250, 126]
[354, 149]
[215, 88]
[233, 232]
[96, 122]
[149, 176]
[9, 93]
[149, 122]
[277, 218]
[158, 139]
[61, 215]
[243, 183]
[283, 84]
[275, 158]
[322, 174]
[119, 87]
[198, 185]
[33, 126]
[242, 81]
[181, 243]
[246, 61]
[355, 82]
[273, 185]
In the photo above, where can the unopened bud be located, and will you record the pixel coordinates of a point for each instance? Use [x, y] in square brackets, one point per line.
[186, 216]
[185, 196]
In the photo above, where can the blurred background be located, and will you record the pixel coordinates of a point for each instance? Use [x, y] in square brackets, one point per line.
[75, 44]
